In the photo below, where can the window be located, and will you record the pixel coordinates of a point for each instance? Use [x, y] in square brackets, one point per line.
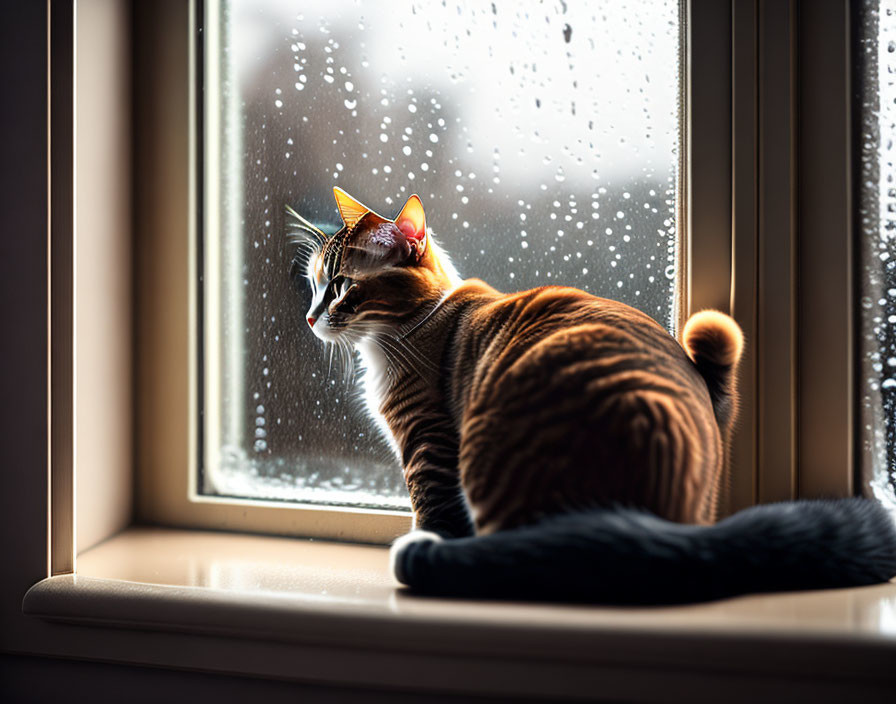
[876, 53]
[544, 140]
[165, 275]
[753, 170]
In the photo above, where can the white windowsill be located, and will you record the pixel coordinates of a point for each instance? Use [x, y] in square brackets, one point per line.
[327, 612]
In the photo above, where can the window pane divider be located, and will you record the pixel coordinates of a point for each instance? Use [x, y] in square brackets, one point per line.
[827, 424]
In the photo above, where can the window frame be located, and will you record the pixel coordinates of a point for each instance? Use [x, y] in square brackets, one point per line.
[751, 150]
[102, 619]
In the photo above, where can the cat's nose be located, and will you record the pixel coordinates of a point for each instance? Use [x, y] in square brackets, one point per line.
[311, 321]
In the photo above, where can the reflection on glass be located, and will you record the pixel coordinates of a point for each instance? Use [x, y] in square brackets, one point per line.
[876, 54]
[542, 138]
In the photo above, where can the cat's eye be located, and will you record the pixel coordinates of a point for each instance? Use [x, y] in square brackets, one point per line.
[339, 286]
[337, 291]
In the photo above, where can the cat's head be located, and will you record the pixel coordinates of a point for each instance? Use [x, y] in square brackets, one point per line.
[374, 275]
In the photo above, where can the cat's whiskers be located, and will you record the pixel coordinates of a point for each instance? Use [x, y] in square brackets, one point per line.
[390, 336]
[416, 326]
[305, 228]
[343, 345]
[347, 349]
[305, 249]
[392, 362]
[417, 355]
[397, 358]
[381, 336]
[410, 357]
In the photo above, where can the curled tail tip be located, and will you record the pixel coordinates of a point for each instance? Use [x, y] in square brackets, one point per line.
[713, 336]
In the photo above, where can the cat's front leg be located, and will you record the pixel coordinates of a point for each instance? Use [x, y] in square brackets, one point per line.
[430, 458]
[438, 502]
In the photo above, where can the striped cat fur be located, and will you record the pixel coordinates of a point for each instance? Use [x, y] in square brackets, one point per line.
[557, 445]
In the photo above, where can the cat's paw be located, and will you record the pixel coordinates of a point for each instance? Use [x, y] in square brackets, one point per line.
[397, 552]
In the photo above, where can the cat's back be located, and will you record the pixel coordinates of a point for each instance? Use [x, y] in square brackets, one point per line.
[568, 399]
[539, 332]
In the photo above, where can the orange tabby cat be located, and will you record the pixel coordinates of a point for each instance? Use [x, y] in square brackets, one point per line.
[559, 445]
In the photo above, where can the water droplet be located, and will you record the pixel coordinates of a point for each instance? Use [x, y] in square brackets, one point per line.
[567, 33]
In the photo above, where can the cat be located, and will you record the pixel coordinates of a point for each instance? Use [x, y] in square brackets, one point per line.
[557, 445]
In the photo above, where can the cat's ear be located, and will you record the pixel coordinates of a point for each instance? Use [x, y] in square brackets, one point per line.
[412, 223]
[350, 210]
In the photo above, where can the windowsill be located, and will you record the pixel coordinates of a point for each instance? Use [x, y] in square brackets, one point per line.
[338, 601]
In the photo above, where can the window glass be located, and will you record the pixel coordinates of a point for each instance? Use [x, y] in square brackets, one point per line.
[876, 62]
[542, 137]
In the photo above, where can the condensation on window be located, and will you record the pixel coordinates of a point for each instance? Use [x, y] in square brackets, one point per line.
[876, 77]
[542, 138]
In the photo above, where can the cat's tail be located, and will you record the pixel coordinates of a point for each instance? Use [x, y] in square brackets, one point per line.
[714, 342]
[625, 556]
